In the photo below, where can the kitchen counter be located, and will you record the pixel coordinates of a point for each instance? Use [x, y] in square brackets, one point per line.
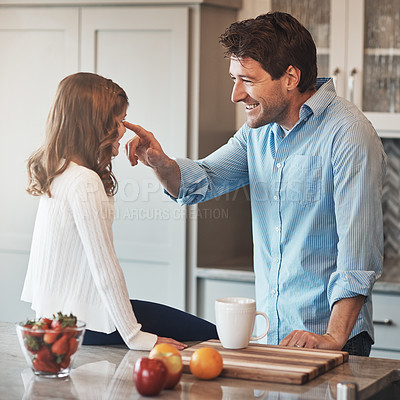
[106, 373]
[244, 273]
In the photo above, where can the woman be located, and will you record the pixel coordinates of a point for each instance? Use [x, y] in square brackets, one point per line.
[73, 266]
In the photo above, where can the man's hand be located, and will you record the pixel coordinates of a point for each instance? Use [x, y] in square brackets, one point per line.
[145, 148]
[343, 317]
[310, 340]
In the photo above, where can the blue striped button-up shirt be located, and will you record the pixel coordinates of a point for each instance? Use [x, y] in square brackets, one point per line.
[316, 209]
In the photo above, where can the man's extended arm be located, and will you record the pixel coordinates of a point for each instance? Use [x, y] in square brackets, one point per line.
[145, 148]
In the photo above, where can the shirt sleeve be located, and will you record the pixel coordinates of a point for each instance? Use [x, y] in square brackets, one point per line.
[93, 215]
[359, 165]
[223, 171]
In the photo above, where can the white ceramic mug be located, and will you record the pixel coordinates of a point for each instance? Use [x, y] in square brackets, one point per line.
[235, 317]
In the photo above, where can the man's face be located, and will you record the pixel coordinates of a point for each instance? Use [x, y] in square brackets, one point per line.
[265, 99]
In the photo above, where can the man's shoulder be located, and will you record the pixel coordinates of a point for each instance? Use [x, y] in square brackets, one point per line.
[345, 114]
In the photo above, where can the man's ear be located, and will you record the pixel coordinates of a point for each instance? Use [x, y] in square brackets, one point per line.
[293, 76]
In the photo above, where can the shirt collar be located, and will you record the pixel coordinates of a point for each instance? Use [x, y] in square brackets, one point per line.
[318, 102]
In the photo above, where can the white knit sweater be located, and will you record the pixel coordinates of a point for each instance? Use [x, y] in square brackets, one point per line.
[73, 266]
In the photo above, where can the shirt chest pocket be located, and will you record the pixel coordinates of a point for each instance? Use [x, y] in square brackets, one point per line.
[301, 179]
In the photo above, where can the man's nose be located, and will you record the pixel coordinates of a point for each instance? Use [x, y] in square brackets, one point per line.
[238, 92]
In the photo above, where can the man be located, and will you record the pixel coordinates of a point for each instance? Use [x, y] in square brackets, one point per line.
[315, 167]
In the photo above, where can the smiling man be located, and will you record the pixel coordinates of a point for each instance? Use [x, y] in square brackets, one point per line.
[315, 167]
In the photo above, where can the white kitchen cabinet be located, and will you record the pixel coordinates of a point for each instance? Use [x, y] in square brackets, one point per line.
[386, 318]
[38, 47]
[167, 57]
[369, 74]
[358, 44]
[214, 283]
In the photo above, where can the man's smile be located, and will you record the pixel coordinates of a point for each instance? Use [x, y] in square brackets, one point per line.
[252, 106]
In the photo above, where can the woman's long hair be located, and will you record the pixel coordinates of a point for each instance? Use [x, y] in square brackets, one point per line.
[82, 124]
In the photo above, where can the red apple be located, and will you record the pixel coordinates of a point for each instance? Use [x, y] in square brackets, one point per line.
[173, 361]
[150, 376]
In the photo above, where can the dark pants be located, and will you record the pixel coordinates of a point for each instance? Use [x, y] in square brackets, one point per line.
[162, 321]
[359, 345]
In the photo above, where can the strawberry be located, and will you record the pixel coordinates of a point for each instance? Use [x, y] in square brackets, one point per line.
[61, 346]
[73, 345]
[63, 321]
[65, 361]
[50, 337]
[45, 321]
[36, 327]
[44, 354]
[32, 343]
[28, 323]
[45, 366]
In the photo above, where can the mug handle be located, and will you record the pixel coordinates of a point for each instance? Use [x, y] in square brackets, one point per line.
[254, 339]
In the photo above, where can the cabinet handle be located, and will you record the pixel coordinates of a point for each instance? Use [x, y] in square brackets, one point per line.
[335, 76]
[352, 78]
[386, 321]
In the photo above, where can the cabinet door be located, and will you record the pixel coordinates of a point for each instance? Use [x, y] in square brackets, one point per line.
[38, 47]
[145, 50]
[373, 61]
[210, 290]
[386, 322]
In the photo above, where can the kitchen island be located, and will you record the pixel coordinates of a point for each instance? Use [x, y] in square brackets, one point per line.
[106, 373]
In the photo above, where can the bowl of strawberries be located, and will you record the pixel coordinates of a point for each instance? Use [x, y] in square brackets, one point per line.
[50, 344]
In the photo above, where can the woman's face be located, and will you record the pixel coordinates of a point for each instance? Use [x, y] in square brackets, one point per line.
[121, 131]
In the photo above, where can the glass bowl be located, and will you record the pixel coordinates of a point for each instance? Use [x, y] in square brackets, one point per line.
[49, 352]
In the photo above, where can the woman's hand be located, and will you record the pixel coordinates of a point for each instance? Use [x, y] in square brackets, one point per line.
[175, 343]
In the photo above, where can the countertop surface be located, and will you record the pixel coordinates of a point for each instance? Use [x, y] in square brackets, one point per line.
[106, 373]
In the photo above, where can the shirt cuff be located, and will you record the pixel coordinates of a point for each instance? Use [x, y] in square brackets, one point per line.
[142, 341]
[346, 284]
[194, 182]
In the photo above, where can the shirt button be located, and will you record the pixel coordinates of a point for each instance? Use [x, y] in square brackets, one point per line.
[273, 291]
[275, 197]
[275, 260]
[278, 165]
[277, 228]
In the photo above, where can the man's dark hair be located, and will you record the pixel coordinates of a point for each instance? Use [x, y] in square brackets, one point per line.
[276, 40]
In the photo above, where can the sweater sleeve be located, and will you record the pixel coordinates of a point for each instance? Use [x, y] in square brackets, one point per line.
[93, 213]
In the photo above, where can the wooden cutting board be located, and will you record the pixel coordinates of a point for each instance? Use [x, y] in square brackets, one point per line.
[279, 364]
